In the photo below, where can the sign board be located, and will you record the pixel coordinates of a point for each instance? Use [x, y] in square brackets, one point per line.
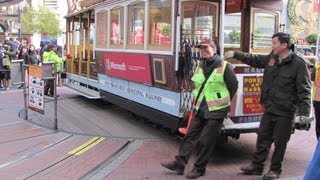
[251, 84]
[47, 70]
[251, 104]
[36, 89]
[16, 71]
[134, 67]
[233, 6]
[251, 95]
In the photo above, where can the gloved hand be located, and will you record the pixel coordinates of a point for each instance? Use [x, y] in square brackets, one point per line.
[303, 122]
[229, 54]
[303, 119]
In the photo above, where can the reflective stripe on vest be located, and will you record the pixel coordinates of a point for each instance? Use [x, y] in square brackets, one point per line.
[215, 91]
[316, 84]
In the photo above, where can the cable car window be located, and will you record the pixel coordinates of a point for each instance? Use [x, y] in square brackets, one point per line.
[232, 30]
[160, 24]
[264, 27]
[101, 33]
[136, 14]
[116, 31]
[199, 20]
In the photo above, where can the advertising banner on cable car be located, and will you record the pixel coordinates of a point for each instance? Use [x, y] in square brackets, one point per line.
[133, 67]
[233, 6]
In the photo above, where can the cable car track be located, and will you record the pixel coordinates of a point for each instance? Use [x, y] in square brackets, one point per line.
[19, 159]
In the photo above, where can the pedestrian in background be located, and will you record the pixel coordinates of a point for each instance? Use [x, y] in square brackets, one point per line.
[313, 170]
[286, 88]
[10, 54]
[2, 77]
[315, 76]
[33, 55]
[59, 51]
[23, 54]
[51, 56]
[215, 85]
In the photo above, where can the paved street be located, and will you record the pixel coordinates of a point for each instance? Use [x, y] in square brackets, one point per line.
[113, 146]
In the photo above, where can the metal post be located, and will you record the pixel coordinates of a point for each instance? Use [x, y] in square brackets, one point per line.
[55, 98]
[19, 19]
[317, 43]
[25, 95]
[222, 18]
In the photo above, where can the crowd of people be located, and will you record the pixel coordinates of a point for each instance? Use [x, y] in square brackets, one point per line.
[21, 49]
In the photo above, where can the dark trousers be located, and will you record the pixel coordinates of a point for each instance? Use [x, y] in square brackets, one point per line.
[316, 105]
[273, 129]
[202, 134]
[48, 87]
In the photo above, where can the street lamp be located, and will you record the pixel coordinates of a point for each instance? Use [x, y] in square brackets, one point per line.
[19, 21]
[20, 9]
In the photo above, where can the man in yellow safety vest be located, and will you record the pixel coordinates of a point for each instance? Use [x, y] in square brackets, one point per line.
[215, 84]
[315, 77]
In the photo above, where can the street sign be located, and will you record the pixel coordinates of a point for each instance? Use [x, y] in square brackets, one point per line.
[47, 70]
[16, 71]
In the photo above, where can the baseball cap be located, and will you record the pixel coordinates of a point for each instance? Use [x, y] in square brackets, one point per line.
[206, 42]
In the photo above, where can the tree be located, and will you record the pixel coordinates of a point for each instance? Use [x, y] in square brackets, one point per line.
[312, 39]
[234, 36]
[42, 21]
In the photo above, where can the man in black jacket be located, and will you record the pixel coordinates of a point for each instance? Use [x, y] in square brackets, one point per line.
[213, 103]
[285, 90]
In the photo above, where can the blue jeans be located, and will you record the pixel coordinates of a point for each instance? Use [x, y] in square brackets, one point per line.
[313, 170]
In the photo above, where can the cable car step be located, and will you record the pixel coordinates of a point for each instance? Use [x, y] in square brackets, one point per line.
[84, 91]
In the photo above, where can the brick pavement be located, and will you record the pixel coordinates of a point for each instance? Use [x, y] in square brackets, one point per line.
[32, 152]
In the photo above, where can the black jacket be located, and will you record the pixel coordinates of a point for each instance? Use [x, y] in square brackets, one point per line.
[286, 86]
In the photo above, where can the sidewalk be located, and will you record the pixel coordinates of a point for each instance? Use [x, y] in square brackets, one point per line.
[117, 146]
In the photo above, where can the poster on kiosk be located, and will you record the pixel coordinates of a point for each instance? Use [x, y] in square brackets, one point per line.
[36, 89]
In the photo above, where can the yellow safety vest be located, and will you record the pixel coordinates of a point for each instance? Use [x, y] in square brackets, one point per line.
[316, 84]
[215, 90]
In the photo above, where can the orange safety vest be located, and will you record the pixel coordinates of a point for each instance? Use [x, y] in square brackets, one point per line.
[316, 84]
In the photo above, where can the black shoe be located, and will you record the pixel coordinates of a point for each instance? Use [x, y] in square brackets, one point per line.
[174, 166]
[252, 169]
[271, 175]
[195, 173]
